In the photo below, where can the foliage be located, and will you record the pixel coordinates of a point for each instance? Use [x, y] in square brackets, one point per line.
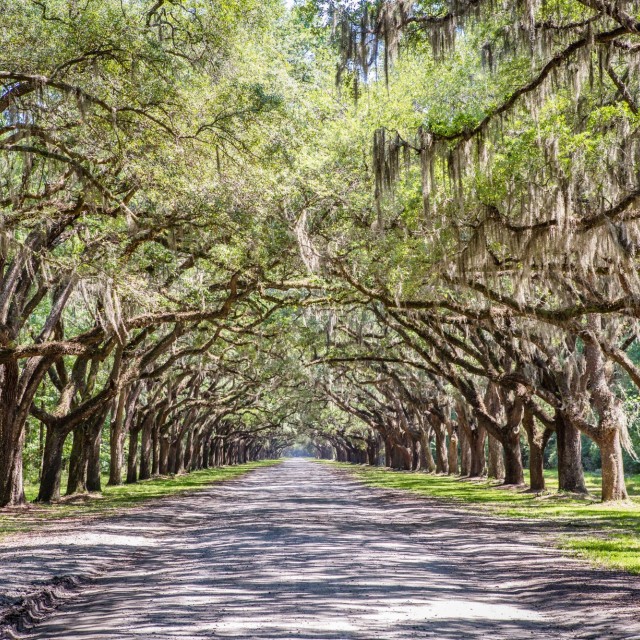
[213, 248]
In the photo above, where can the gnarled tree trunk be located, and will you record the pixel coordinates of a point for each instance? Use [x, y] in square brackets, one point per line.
[570, 472]
[146, 445]
[465, 453]
[94, 441]
[427, 463]
[442, 461]
[116, 440]
[77, 481]
[12, 435]
[513, 471]
[537, 444]
[452, 448]
[132, 457]
[495, 458]
[52, 464]
[613, 483]
[477, 438]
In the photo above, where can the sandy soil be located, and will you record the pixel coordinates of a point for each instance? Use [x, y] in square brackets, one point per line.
[302, 551]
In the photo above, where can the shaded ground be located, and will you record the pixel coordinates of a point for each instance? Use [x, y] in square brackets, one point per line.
[607, 533]
[302, 551]
[113, 499]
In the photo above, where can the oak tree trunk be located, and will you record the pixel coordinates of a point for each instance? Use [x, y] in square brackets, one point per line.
[536, 467]
[452, 450]
[537, 444]
[132, 457]
[613, 483]
[442, 461]
[116, 441]
[52, 465]
[93, 443]
[11, 481]
[372, 452]
[205, 453]
[164, 445]
[388, 453]
[427, 463]
[146, 444]
[495, 458]
[12, 434]
[77, 481]
[415, 454]
[513, 470]
[465, 454]
[478, 464]
[155, 450]
[570, 471]
[187, 453]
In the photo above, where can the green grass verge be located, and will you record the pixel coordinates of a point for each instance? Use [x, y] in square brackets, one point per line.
[115, 499]
[607, 534]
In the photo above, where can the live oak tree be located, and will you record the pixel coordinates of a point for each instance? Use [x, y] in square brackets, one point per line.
[119, 122]
[397, 231]
[495, 221]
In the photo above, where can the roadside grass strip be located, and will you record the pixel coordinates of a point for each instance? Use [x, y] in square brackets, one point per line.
[115, 498]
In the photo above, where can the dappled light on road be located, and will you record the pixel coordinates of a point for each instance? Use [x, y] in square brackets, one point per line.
[302, 551]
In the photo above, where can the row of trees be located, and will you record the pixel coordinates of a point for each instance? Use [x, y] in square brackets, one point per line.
[498, 255]
[210, 247]
[133, 241]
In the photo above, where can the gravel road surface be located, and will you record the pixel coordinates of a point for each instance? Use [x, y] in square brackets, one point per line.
[302, 550]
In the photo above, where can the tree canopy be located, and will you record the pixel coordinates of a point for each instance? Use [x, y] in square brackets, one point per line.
[386, 230]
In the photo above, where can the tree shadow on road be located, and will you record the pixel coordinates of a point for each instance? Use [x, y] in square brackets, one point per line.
[298, 552]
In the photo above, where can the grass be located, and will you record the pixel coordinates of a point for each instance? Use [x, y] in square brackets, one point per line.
[607, 534]
[115, 499]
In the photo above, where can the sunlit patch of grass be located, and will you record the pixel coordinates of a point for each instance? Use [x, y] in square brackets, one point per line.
[618, 551]
[617, 525]
[116, 498]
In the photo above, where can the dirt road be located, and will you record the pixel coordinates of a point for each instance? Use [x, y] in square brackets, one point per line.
[302, 551]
